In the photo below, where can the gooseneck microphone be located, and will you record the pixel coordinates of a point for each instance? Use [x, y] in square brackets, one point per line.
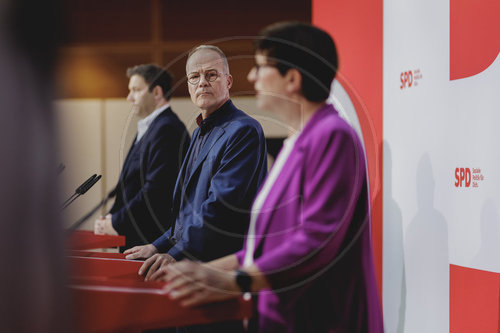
[78, 190]
[82, 189]
[78, 223]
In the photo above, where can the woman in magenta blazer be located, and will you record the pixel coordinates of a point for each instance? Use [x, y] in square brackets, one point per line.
[307, 255]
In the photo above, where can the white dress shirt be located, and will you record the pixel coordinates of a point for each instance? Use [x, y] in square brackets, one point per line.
[143, 124]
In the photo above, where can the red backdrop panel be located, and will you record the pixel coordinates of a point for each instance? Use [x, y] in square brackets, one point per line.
[357, 28]
[474, 300]
[474, 36]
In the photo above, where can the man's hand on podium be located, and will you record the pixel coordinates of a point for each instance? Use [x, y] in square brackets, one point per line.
[140, 252]
[103, 226]
[154, 268]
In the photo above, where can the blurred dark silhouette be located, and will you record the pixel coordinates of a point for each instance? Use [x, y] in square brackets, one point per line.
[33, 296]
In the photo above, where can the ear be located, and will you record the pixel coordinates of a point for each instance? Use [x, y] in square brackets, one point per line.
[157, 92]
[229, 81]
[293, 81]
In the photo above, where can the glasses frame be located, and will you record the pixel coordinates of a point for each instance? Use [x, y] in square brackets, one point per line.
[219, 74]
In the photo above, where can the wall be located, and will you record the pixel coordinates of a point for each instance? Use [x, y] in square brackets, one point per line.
[435, 67]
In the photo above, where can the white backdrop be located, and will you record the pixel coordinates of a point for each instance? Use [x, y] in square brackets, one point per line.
[430, 129]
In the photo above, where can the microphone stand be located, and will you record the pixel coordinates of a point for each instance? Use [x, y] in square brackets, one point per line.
[78, 223]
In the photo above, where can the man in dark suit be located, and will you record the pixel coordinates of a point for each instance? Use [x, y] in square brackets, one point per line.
[225, 165]
[142, 208]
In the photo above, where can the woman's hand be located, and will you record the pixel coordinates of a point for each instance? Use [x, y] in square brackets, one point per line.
[194, 283]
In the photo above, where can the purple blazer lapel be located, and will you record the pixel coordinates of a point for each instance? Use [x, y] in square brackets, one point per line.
[283, 183]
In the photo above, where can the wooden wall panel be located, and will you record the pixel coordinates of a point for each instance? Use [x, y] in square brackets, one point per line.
[175, 63]
[94, 73]
[109, 21]
[103, 38]
[204, 21]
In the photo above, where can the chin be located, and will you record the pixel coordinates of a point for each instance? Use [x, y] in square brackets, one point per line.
[205, 103]
[139, 114]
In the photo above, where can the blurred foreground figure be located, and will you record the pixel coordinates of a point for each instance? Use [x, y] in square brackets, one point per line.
[32, 284]
[307, 253]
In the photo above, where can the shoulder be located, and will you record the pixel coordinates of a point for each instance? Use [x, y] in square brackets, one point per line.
[240, 122]
[168, 121]
[329, 141]
[328, 134]
[328, 125]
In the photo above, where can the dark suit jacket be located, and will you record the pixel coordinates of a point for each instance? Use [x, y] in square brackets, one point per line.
[212, 203]
[142, 208]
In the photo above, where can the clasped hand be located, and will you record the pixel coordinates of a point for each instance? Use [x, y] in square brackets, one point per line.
[192, 283]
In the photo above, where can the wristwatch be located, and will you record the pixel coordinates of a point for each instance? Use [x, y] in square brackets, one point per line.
[243, 280]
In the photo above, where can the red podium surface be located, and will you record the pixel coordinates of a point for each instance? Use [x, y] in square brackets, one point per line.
[86, 240]
[109, 296]
[93, 254]
[474, 300]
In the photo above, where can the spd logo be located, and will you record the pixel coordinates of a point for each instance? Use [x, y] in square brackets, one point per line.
[464, 177]
[410, 78]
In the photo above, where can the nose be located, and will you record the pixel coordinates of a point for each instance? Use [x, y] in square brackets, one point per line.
[252, 75]
[203, 81]
[129, 97]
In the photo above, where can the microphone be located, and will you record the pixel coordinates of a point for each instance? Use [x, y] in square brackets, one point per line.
[85, 184]
[87, 187]
[78, 190]
[82, 189]
[78, 223]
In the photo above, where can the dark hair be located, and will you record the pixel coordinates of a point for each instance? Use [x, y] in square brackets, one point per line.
[306, 48]
[154, 76]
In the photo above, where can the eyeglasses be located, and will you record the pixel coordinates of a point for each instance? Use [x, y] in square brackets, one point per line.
[210, 76]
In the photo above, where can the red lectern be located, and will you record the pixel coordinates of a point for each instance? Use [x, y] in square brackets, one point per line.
[109, 296]
[86, 240]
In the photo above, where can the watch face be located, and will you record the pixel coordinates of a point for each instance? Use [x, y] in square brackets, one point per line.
[243, 280]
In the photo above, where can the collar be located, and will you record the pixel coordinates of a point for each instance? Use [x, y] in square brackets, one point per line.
[143, 124]
[208, 123]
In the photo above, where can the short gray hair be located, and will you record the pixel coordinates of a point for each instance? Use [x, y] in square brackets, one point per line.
[212, 48]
